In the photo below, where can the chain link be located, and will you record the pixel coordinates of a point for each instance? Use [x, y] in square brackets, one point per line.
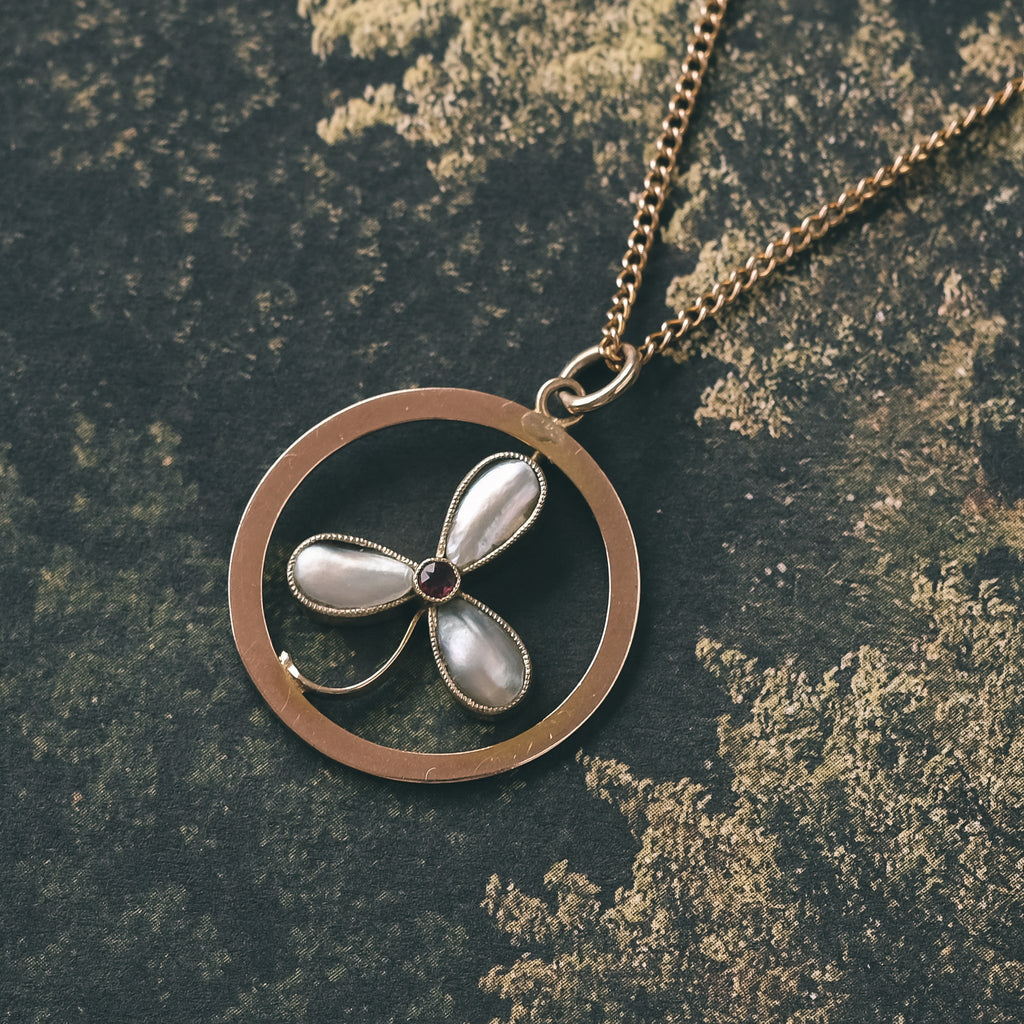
[612, 349]
[659, 176]
[816, 225]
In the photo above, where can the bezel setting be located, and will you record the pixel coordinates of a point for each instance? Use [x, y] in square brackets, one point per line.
[361, 544]
[464, 486]
[481, 710]
[456, 590]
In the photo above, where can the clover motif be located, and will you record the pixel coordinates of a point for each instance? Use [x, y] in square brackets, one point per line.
[483, 662]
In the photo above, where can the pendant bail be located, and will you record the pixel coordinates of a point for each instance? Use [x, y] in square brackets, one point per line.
[571, 393]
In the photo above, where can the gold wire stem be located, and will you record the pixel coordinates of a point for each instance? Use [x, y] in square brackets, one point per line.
[364, 684]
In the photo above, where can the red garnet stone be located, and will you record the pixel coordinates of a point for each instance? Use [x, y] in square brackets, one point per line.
[437, 579]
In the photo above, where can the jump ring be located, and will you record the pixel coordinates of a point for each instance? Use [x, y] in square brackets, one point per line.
[559, 386]
[624, 379]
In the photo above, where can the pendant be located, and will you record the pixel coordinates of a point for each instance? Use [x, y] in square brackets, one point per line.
[480, 658]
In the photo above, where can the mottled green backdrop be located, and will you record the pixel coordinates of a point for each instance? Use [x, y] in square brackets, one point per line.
[221, 222]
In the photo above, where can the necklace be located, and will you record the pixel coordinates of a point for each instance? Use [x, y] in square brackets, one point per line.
[481, 661]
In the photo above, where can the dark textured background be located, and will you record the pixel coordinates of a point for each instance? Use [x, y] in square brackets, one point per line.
[192, 276]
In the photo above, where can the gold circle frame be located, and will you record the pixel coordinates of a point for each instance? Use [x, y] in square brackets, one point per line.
[283, 693]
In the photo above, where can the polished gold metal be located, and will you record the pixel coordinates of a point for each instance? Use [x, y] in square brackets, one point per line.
[279, 681]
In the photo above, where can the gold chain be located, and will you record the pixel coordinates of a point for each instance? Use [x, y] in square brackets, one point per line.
[625, 360]
[659, 176]
[818, 224]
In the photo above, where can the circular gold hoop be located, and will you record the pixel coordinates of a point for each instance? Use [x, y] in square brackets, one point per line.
[282, 692]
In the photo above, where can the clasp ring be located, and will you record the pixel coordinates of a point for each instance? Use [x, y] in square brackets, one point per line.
[571, 394]
[623, 380]
[563, 387]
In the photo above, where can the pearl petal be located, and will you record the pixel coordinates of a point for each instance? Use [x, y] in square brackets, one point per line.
[349, 579]
[480, 655]
[495, 506]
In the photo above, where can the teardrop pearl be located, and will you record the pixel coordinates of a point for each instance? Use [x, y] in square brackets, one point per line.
[492, 509]
[348, 578]
[482, 658]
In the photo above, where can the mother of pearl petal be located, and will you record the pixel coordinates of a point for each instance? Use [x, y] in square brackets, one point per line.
[494, 506]
[483, 660]
[348, 578]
